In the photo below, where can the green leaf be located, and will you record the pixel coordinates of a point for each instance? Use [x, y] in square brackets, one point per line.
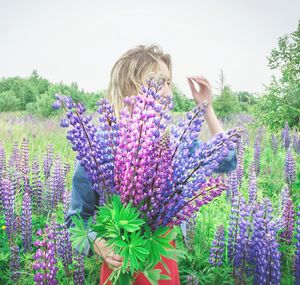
[79, 233]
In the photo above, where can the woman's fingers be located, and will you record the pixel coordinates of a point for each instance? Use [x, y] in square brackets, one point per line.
[192, 85]
[201, 80]
[117, 257]
[114, 261]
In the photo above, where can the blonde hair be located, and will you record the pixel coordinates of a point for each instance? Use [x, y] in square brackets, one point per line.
[131, 71]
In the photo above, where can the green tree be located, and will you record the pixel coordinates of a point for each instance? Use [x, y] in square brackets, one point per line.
[181, 102]
[226, 103]
[281, 103]
[9, 101]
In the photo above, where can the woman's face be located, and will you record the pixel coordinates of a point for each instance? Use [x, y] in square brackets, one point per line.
[167, 80]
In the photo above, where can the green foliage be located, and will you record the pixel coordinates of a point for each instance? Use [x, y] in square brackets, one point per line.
[36, 95]
[79, 233]
[132, 238]
[281, 103]
[181, 102]
[9, 101]
[226, 103]
[246, 100]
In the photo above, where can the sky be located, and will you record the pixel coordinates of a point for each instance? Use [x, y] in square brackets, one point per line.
[79, 41]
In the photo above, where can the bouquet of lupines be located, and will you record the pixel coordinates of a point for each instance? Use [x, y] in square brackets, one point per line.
[146, 180]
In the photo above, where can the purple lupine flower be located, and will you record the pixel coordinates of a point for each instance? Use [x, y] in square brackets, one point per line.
[289, 168]
[64, 248]
[8, 196]
[257, 150]
[284, 197]
[240, 162]
[252, 187]
[45, 262]
[264, 246]
[48, 161]
[141, 160]
[66, 201]
[217, 249]
[79, 269]
[296, 143]
[274, 143]
[242, 240]
[25, 164]
[2, 160]
[189, 229]
[53, 230]
[15, 265]
[285, 136]
[95, 148]
[297, 252]
[15, 158]
[58, 180]
[37, 187]
[67, 168]
[2, 170]
[288, 222]
[26, 222]
[233, 226]
[246, 137]
[234, 184]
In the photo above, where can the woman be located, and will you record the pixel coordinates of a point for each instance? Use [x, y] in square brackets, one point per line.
[128, 74]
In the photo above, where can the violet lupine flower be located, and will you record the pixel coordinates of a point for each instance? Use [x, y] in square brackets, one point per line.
[45, 262]
[58, 180]
[2, 170]
[252, 186]
[15, 265]
[67, 168]
[54, 186]
[284, 197]
[257, 150]
[15, 158]
[79, 268]
[48, 161]
[2, 161]
[95, 147]
[246, 137]
[66, 201]
[289, 168]
[297, 252]
[233, 226]
[37, 187]
[234, 184]
[189, 227]
[8, 196]
[140, 157]
[26, 222]
[285, 136]
[240, 161]
[217, 249]
[64, 248]
[296, 142]
[143, 162]
[25, 164]
[205, 160]
[53, 230]
[264, 246]
[242, 242]
[274, 143]
[288, 222]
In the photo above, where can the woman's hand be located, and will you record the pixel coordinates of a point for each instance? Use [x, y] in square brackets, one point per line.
[102, 249]
[205, 92]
